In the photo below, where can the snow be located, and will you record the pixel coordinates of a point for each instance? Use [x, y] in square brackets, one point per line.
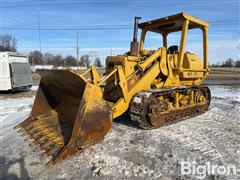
[34, 88]
[226, 92]
[11, 109]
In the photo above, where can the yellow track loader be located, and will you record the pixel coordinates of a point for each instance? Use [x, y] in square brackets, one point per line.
[73, 111]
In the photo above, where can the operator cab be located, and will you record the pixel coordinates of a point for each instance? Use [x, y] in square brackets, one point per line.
[181, 22]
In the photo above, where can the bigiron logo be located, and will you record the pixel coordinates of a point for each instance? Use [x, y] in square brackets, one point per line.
[201, 171]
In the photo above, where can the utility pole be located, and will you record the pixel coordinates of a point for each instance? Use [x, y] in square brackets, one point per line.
[92, 54]
[39, 33]
[77, 53]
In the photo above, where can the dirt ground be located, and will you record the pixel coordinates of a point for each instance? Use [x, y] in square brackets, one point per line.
[223, 76]
[128, 152]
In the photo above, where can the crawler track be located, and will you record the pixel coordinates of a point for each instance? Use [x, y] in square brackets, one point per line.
[148, 112]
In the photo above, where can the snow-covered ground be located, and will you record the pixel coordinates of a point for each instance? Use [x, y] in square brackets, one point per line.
[34, 88]
[226, 92]
[128, 152]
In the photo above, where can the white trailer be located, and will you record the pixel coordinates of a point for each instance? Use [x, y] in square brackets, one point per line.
[15, 72]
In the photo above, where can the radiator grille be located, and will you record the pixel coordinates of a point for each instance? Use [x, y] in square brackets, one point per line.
[21, 74]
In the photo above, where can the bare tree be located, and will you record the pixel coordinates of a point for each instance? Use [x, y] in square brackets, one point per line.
[57, 60]
[237, 63]
[8, 43]
[228, 63]
[98, 62]
[70, 61]
[85, 61]
[35, 57]
[48, 58]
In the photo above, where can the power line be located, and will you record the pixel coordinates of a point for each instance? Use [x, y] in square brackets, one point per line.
[16, 19]
[111, 25]
[77, 52]
[39, 32]
[110, 1]
[94, 28]
[63, 29]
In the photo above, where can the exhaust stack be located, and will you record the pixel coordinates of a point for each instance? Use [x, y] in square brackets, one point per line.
[134, 43]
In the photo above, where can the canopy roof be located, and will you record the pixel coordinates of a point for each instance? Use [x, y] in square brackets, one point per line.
[172, 23]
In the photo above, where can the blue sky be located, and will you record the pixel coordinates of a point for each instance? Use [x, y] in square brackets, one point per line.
[223, 16]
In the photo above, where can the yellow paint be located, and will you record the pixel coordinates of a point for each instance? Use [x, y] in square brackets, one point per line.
[151, 68]
[179, 68]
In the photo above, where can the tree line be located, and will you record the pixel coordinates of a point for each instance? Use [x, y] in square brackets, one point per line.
[227, 63]
[9, 43]
[37, 58]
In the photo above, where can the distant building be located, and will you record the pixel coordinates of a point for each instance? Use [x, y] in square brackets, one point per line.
[15, 72]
